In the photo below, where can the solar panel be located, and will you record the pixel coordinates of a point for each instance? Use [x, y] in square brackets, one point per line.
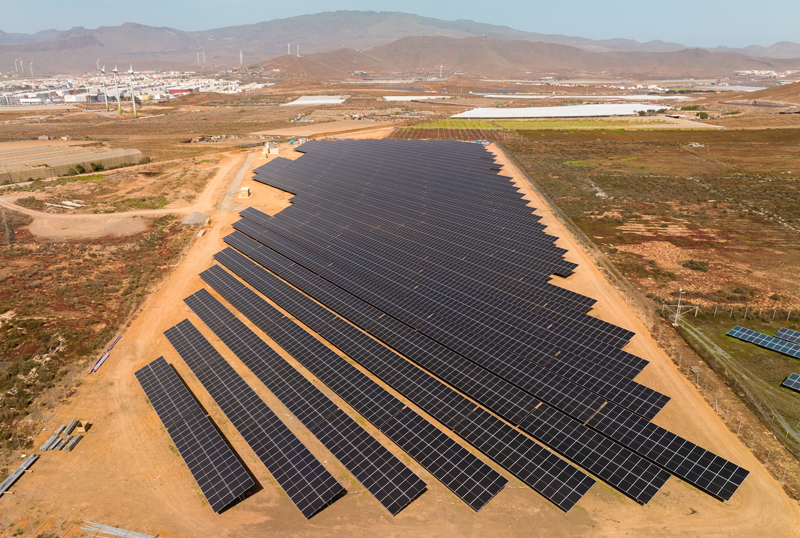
[792, 382]
[788, 335]
[378, 470]
[766, 341]
[459, 470]
[305, 480]
[216, 469]
[699, 467]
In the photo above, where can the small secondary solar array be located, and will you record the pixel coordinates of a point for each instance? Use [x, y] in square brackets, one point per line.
[788, 335]
[769, 342]
[422, 264]
[792, 382]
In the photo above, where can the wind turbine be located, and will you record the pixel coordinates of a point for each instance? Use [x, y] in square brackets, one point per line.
[241, 58]
[31, 69]
[298, 51]
[15, 65]
[204, 55]
[198, 58]
[103, 76]
[116, 85]
[130, 81]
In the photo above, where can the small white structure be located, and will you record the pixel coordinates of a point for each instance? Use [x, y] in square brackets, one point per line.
[245, 193]
[576, 111]
[318, 100]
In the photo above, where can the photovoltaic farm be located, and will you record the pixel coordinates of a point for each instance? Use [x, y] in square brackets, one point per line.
[412, 280]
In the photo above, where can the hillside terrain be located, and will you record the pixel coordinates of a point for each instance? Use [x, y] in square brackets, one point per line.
[77, 49]
[484, 56]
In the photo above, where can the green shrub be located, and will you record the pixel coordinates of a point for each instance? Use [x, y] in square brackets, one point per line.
[702, 115]
[31, 203]
[696, 265]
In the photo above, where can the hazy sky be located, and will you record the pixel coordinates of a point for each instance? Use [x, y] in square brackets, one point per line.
[691, 22]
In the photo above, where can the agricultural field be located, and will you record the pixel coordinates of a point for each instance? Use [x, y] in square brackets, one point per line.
[456, 124]
[585, 123]
[458, 129]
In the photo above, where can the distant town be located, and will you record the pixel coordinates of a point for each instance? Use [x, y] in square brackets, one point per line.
[146, 87]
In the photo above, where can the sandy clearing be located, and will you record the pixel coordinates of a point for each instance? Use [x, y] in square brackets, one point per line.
[332, 127]
[57, 226]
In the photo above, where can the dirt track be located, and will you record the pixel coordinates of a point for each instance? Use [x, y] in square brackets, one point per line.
[126, 472]
[76, 226]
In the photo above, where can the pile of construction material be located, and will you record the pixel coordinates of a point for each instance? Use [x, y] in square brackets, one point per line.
[18, 472]
[56, 442]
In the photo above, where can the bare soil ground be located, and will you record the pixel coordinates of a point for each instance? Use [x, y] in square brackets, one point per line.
[126, 472]
[326, 128]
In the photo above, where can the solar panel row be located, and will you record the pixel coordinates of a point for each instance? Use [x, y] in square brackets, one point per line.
[458, 469]
[216, 469]
[766, 341]
[378, 470]
[305, 480]
[532, 464]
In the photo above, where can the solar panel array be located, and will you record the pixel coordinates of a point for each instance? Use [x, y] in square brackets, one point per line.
[792, 382]
[766, 341]
[216, 469]
[788, 335]
[305, 480]
[378, 470]
[423, 265]
[423, 245]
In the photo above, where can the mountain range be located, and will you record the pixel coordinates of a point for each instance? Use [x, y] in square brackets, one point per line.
[77, 49]
[485, 56]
